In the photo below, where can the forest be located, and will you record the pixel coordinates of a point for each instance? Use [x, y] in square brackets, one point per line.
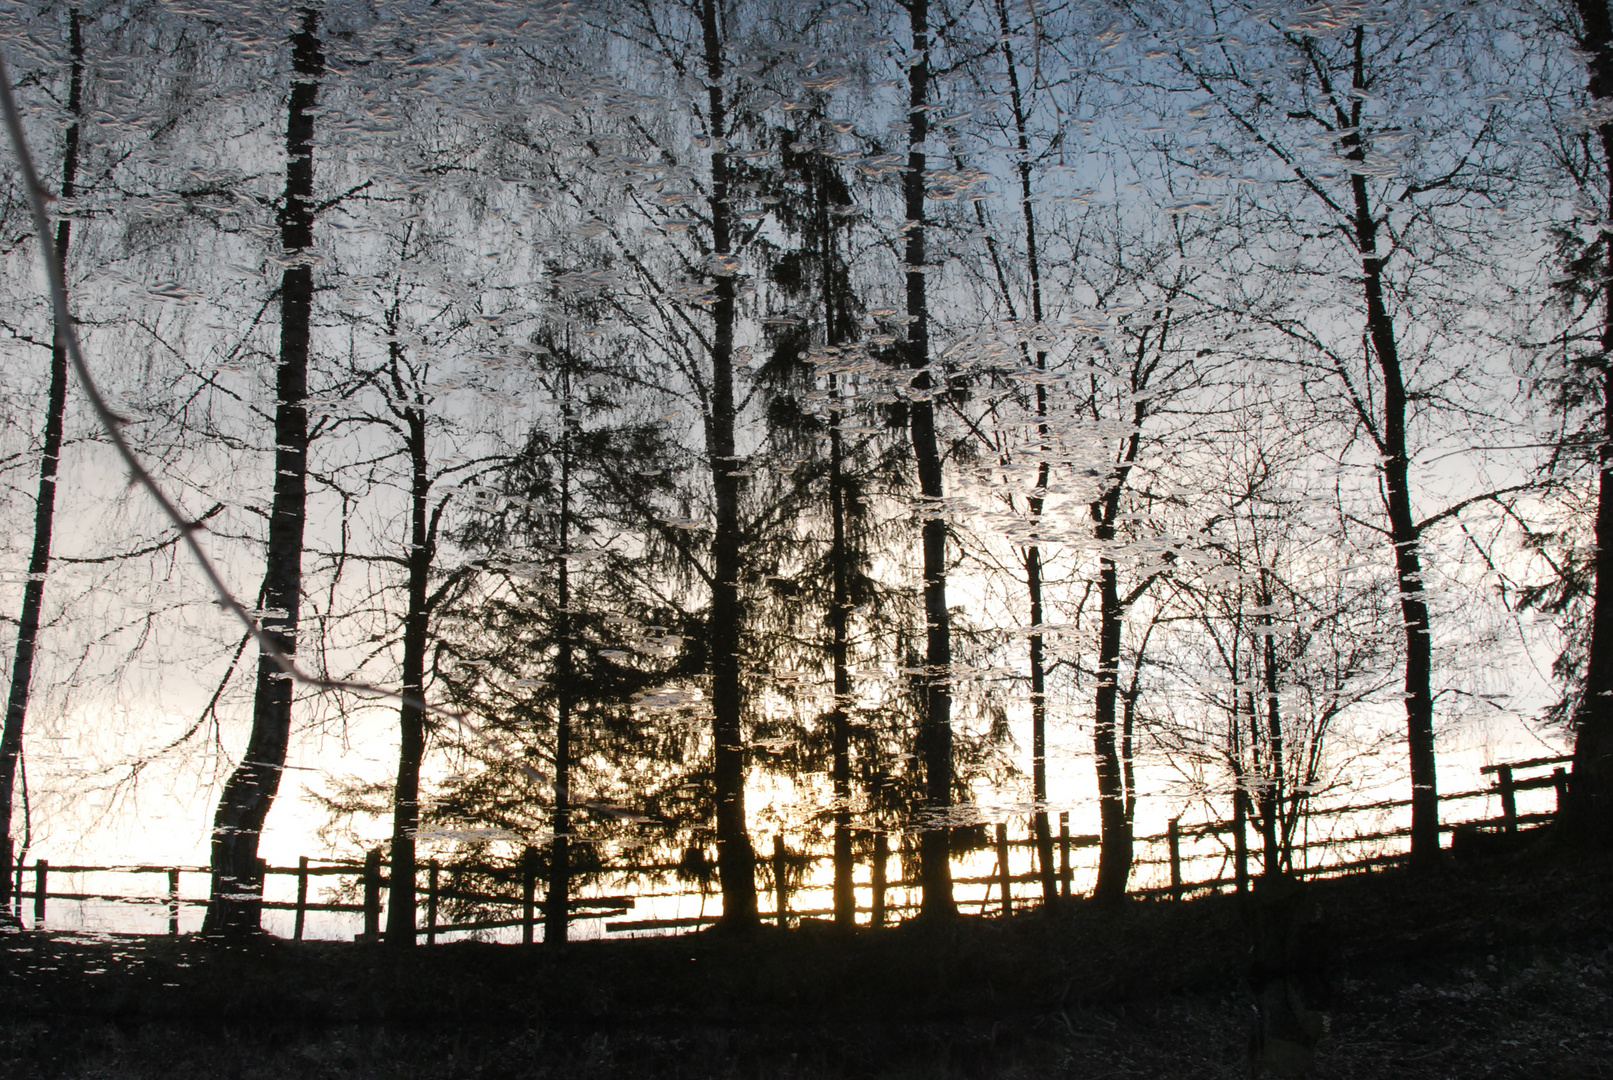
[622, 434]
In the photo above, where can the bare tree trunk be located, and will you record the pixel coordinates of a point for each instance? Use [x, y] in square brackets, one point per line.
[400, 912]
[1116, 802]
[1589, 813]
[1033, 554]
[1114, 850]
[736, 859]
[845, 898]
[840, 556]
[33, 595]
[935, 731]
[235, 901]
[1404, 532]
[1271, 796]
[557, 906]
[1240, 841]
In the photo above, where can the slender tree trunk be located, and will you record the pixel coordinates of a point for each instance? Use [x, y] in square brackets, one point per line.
[1033, 554]
[935, 732]
[400, 914]
[1128, 725]
[845, 899]
[840, 556]
[1589, 814]
[1114, 851]
[1240, 841]
[1404, 533]
[557, 907]
[1272, 795]
[1113, 755]
[235, 902]
[1040, 826]
[33, 595]
[736, 859]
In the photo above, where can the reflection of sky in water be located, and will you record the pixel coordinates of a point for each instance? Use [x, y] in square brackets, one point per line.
[93, 710]
[1203, 858]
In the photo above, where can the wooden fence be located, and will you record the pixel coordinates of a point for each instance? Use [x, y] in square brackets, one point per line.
[371, 880]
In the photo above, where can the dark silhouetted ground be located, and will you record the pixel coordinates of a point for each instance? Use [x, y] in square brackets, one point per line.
[1501, 968]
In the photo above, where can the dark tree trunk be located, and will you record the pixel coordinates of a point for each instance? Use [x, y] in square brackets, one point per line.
[736, 859]
[1240, 841]
[1033, 554]
[1128, 726]
[1271, 796]
[1404, 532]
[935, 728]
[556, 907]
[400, 914]
[845, 899]
[235, 901]
[1589, 813]
[1039, 824]
[1112, 749]
[33, 595]
[1114, 851]
[840, 558]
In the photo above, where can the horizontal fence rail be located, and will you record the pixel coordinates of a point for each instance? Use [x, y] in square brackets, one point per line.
[1169, 850]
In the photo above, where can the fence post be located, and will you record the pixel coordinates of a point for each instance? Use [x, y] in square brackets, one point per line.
[1559, 779]
[881, 856]
[1509, 806]
[41, 877]
[302, 897]
[1002, 866]
[1173, 834]
[173, 902]
[1064, 853]
[781, 894]
[372, 895]
[431, 902]
[261, 876]
[529, 879]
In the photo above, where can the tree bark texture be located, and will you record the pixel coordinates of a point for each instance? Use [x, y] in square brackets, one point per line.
[736, 859]
[1589, 813]
[235, 900]
[33, 596]
[935, 727]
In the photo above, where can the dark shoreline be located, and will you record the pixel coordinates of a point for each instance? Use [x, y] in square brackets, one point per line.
[1497, 968]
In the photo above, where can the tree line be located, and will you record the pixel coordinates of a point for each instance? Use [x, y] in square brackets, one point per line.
[648, 399]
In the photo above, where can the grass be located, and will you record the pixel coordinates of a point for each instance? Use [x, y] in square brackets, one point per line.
[1502, 968]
